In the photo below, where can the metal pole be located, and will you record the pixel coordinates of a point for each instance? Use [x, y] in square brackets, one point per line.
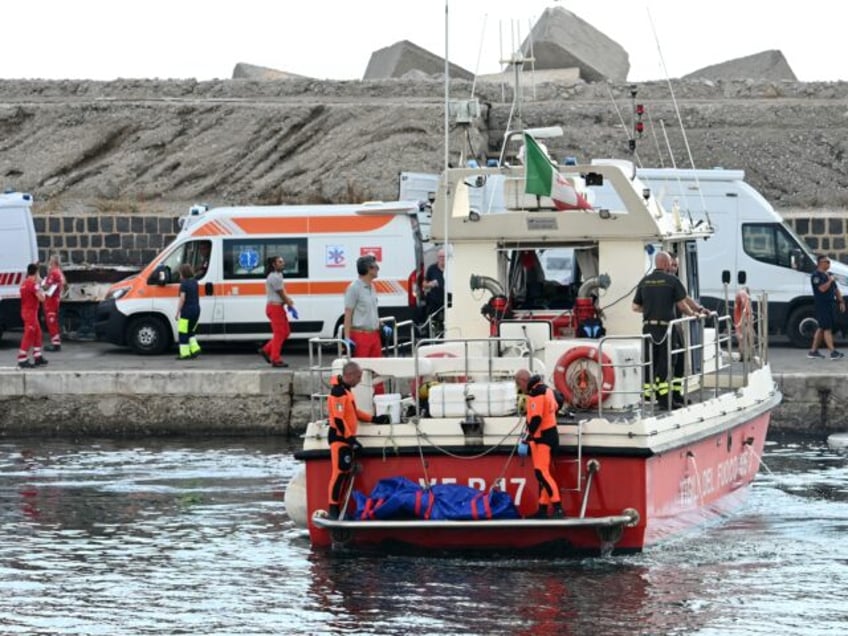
[445, 212]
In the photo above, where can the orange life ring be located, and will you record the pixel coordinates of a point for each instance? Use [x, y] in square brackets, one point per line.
[741, 310]
[417, 383]
[581, 390]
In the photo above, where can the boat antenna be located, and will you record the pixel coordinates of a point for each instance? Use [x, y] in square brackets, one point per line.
[479, 54]
[628, 131]
[679, 121]
[656, 139]
[448, 257]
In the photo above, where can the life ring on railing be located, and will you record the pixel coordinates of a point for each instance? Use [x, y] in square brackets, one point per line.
[742, 313]
[580, 385]
[420, 382]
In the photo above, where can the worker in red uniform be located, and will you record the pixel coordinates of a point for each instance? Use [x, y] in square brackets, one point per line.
[53, 285]
[543, 438]
[344, 418]
[31, 298]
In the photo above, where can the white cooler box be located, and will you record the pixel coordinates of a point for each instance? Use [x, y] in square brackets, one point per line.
[489, 399]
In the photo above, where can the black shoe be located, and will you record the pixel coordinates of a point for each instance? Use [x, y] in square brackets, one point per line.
[334, 511]
[280, 364]
[194, 355]
[39, 362]
[557, 512]
[25, 364]
[52, 347]
[541, 513]
[262, 353]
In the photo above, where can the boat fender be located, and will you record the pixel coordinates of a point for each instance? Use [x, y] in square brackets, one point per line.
[566, 384]
[741, 310]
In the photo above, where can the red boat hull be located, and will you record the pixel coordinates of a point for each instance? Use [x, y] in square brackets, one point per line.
[671, 491]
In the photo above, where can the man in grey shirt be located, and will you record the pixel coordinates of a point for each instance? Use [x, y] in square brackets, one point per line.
[361, 319]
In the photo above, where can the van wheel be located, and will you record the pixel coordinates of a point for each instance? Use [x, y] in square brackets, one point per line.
[148, 335]
[801, 326]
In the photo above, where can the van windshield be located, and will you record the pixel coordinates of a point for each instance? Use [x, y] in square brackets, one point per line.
[774, 243]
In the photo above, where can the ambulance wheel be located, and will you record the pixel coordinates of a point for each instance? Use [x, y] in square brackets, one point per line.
[148, 335]
[801, 326]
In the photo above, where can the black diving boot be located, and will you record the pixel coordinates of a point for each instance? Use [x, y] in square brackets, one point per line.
[557, 512]
[541, 513]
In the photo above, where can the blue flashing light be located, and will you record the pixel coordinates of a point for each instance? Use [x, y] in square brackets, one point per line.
[570, 161]
[8, 190]
[27, 197]
[472, 163]
[492, 163]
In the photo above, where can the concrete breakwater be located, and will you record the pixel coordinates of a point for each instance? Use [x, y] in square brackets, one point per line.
[216, 402]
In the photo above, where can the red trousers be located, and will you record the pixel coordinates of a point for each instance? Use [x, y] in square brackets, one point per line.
[51, 317]
[31, 338]
[368, 345]
[279, 327]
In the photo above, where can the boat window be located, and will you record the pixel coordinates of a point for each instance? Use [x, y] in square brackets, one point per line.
[535, 283]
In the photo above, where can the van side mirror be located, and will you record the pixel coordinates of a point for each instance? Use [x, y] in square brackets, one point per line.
[795, 259]
[160, 276]
[725, 277]
[741, 278]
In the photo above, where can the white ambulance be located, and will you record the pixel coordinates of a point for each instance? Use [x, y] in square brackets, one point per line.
[18, 248]
[228, 248]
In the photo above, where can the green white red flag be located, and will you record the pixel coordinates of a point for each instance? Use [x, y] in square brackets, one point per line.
[543, 178]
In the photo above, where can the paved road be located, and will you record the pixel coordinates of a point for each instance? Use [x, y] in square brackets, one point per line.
[100, 356]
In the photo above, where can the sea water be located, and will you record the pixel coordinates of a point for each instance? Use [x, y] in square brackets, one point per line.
[191, 536]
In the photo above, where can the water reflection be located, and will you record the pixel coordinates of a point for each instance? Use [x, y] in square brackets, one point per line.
[176, 536]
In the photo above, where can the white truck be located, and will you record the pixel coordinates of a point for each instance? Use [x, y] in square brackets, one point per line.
[18, 248]
[751, 247]
[86, 287]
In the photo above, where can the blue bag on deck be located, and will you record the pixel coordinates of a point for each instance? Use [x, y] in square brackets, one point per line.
[400, 498]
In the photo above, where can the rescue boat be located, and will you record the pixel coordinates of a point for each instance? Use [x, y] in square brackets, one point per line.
[632, 470]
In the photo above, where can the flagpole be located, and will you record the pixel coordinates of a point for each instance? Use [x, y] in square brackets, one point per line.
[448, 255]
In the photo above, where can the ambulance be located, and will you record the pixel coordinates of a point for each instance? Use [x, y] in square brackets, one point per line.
[18, 248]
[228, 249]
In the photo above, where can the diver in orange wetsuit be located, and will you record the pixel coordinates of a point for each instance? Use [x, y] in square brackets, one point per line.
[543, 439]
[344, 418]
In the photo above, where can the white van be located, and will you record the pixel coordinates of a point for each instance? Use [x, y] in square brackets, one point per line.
[18, 248]
[752, 247]
[229, 247]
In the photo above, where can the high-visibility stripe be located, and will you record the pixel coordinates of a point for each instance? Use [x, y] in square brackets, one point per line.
[292, 225]
[11, 278]
[253, 288]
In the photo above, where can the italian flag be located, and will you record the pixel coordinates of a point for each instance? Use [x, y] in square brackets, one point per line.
[544, 179]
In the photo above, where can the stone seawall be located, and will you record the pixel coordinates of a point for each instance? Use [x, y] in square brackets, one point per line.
[130, 239]
[210, 403]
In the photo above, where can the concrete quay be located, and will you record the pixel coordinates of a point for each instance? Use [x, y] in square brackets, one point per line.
[94, 389]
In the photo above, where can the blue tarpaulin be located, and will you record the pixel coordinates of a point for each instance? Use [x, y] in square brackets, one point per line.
[400, 498]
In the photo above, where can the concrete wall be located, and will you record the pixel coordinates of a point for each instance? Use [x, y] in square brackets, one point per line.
[250, 403]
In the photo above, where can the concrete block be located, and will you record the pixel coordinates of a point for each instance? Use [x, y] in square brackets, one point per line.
[766, 65]
[11, 381]
[560, 39]
[253, 72]
[566, 76]
[405, 57]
